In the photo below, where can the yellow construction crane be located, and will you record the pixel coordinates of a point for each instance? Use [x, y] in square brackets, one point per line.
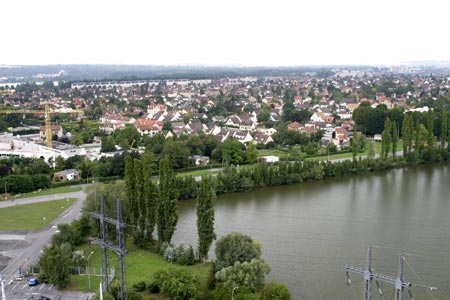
[46, 112]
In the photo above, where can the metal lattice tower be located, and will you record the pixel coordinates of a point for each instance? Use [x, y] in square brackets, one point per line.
[119, 249]
[121, 252]
[398, 282]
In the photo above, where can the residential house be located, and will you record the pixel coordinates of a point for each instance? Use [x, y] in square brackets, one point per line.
[267, 131]
[148, 127]
[66, 175]
[200, 160]
[178, 128]
[261, 138]
[242, 136]
[195, 126]
[116, 121]
[153, 109]
[213, 129]
[321, 117]
[295, 126]
[233, 121]
[270, 159]
[56, 130]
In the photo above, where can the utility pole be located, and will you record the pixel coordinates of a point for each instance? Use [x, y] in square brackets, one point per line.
[398, 282]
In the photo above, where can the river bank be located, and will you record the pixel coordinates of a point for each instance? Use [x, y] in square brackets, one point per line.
[310, 231]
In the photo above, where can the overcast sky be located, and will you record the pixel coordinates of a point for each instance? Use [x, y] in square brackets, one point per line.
[223, 32]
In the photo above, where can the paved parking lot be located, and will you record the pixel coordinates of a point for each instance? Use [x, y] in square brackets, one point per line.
[20, 249]
[19, 290]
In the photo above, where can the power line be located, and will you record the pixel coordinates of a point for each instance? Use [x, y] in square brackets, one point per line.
[119, 249]
[368, 274]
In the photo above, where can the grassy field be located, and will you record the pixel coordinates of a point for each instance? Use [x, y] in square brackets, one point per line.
[197, 173]
[275, 152]
[141, 265]
[32, 216]
[58, 190]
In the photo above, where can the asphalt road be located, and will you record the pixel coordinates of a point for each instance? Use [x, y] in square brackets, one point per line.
[26, 248]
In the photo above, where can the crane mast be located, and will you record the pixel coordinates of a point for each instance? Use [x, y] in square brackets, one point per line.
[47, 112]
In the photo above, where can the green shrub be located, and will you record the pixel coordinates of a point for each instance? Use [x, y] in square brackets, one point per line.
[153, 288]
[275, 291]
[240, 293]
[140, 286]
[178, 284]
[133, 295]
[180, 255]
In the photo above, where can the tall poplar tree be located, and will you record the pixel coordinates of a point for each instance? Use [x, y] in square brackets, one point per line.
[140, 206]
[386, 137]
[167, 216]
[355, 144]
[407, 134]
[430, 128]
[130, 188]
[394, 131]
[444, 130]
[150, 197]
[205, 217]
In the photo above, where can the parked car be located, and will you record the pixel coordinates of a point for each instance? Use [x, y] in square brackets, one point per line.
[33, 281]
[41, 297]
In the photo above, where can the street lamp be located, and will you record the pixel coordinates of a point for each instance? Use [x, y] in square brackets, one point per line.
[232, 293]
[89, 269]
[2, 283]
[95, 191]
[26, 267]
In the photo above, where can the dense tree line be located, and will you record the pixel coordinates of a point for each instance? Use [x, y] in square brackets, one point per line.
[21, 175]
[243, 179]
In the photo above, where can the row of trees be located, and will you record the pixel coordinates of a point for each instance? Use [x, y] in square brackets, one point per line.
[418, 137]
[243, 179]
[153, 206]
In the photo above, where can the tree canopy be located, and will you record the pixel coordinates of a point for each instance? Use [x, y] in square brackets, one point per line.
[235, 247]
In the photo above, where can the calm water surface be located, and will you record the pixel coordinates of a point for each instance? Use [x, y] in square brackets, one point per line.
[310, 231]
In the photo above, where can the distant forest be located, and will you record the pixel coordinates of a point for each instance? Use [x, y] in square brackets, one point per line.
[133, 72]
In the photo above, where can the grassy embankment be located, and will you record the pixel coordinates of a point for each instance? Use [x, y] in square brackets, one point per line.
[32, 216]
[46, 192]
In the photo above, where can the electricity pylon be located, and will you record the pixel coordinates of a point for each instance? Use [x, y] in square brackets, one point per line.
[368, 274]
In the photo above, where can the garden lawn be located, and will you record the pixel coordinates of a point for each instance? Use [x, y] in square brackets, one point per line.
[280, 153]
[32, 216]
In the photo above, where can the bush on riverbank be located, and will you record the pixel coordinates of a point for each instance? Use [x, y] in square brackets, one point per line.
[244, 179]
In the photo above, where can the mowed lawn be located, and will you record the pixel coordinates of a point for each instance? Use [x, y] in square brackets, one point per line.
[46, 192]
[141, 265]
[32, 216]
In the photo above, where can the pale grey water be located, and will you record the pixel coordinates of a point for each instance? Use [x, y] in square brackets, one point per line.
[310, 231]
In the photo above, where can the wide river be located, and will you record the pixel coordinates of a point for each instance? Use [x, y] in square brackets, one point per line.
[310, 231]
